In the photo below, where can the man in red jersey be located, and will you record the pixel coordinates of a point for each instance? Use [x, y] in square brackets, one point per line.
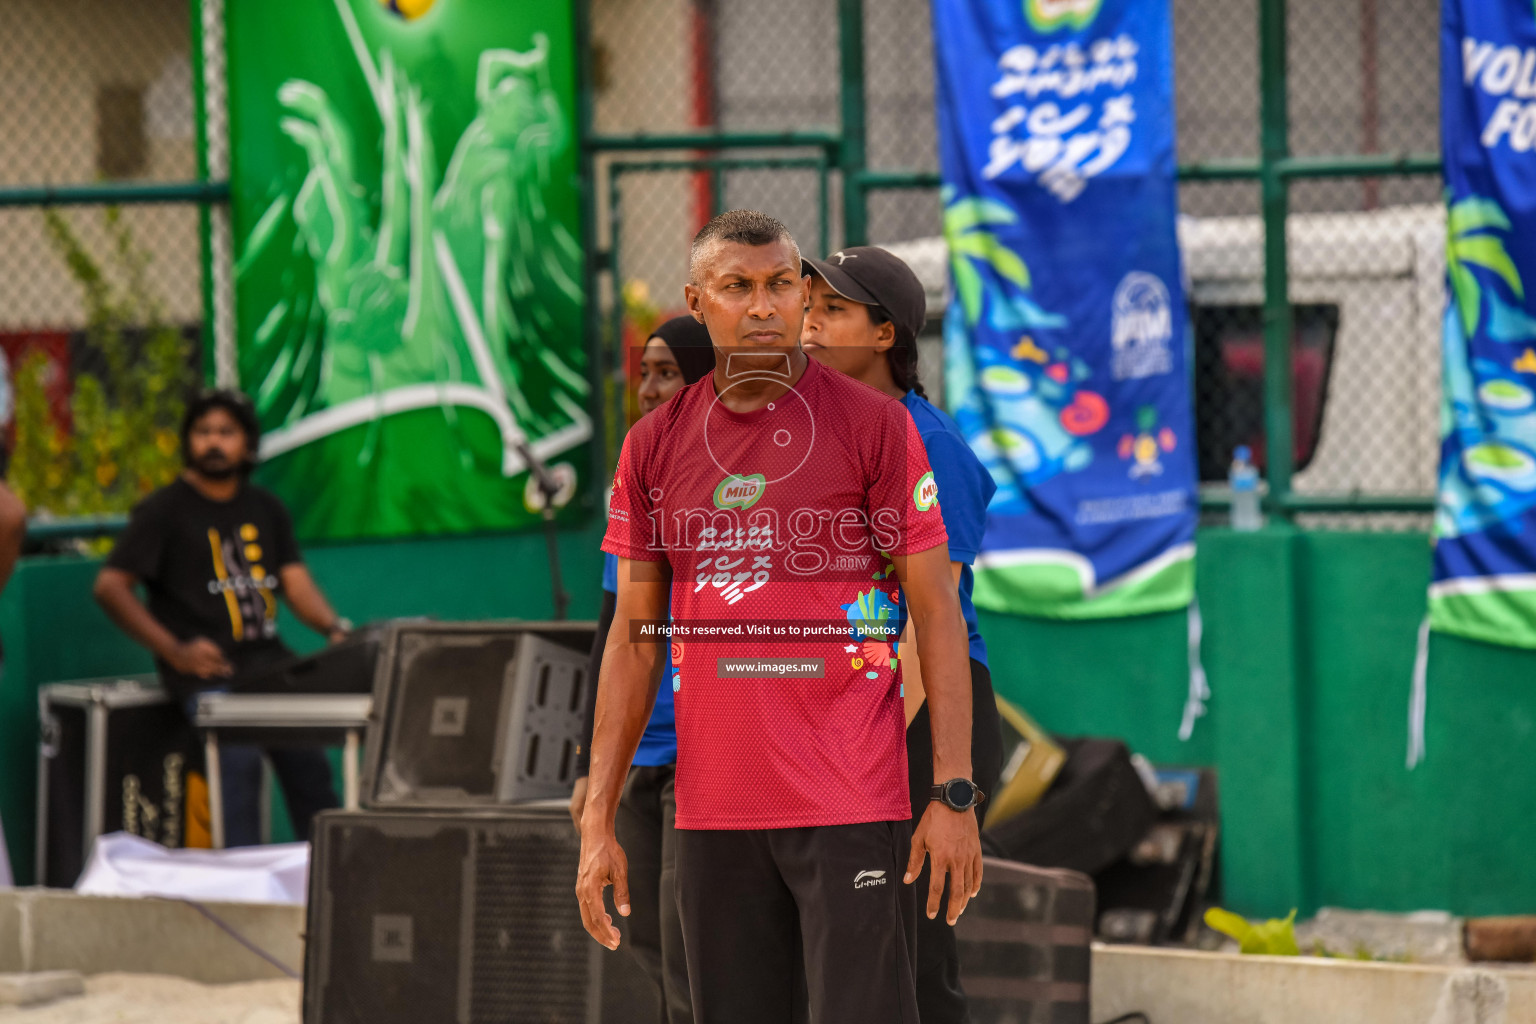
[782, 504]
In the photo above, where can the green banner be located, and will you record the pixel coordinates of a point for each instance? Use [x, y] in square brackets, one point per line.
[408, 285]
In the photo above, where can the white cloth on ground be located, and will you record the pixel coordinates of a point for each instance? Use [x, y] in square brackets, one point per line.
[127, 865]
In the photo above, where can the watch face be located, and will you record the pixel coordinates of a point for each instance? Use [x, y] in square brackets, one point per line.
[961, 793]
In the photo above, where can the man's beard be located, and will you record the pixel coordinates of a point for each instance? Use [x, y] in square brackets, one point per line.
[215, 466]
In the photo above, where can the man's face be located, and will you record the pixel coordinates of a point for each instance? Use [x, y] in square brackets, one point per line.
[216, 447]
[752, 299]
[839, 333]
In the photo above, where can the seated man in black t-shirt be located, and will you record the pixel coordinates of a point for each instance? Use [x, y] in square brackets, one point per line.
[214, 553]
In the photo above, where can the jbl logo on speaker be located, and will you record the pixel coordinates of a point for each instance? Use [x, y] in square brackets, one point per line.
[392, 938]
[449, 716]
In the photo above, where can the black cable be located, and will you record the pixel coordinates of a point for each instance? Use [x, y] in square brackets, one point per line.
[247, 943]
[1126, 1018]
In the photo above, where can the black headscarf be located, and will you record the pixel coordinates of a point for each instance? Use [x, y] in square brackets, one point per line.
[689, 341]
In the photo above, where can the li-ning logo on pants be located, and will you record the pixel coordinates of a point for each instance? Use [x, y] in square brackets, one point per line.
[865, 879]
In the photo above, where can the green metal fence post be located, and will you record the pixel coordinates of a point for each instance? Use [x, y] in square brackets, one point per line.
[204, 214]
[823, 207]
[850, 38]
[587, 180]
[616, 314]
[1274, 148]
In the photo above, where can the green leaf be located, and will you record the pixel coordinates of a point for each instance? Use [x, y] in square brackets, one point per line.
[1476, 214]
[1489, 253]
[1229, 924]
[1275, 937]
[969, 213]
[985, 246]
[968, 284]
[1469, 297]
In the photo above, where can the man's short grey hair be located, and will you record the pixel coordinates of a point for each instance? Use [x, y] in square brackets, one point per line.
[746, 227]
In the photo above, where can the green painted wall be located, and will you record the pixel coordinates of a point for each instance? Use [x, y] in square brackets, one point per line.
[1309, 645]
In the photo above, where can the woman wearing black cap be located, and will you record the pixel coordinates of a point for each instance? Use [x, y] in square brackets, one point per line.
[865, 313]
[677, 354]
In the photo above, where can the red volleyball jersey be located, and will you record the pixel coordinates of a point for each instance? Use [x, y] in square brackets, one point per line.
[776, 525]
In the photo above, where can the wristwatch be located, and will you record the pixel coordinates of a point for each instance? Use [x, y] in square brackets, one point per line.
[958, 794]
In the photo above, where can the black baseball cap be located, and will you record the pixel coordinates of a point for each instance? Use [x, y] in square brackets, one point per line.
[868, 274]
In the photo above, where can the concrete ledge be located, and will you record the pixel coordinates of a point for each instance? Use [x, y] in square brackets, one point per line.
[1224, 988]
[39, 987]
[54, 930]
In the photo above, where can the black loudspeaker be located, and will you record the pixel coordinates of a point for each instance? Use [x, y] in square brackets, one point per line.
[1155, 894]
[1096, 810]
[476, 714]
[346, 667]
[467, 918]
[1024, 946]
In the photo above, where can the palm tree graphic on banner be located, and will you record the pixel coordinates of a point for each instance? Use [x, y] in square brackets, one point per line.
[1470, 243]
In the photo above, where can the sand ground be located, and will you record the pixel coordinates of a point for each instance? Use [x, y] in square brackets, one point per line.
[156, 999]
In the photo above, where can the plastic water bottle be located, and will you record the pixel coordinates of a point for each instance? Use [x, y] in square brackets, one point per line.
[1244, 478]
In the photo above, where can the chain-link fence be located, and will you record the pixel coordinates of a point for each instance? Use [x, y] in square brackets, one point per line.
[98, 94]
[101, 303]
[1366, 252]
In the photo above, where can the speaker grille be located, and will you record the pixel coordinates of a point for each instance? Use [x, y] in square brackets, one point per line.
[444, 715]
[388, 934]
[467, 918]
[531, 953]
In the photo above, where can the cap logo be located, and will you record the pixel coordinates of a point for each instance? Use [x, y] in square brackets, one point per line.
[842, 257]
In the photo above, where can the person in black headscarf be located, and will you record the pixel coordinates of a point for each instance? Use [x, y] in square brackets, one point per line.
[678, 353]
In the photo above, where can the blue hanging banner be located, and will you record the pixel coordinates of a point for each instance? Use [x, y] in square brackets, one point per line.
[1066, 336]
[1485, 524]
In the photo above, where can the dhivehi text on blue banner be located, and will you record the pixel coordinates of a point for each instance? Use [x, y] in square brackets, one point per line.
[1065, 339]
[1484, 583]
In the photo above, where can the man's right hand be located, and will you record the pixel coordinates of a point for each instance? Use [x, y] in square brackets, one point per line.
[602, 864]
[579, 801]
[200, 657]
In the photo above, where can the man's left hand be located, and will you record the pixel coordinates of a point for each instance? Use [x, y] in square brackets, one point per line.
[952, 842]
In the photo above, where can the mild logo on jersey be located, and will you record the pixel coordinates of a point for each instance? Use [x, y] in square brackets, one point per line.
[865, 879]
[926, 493]
[740, 491]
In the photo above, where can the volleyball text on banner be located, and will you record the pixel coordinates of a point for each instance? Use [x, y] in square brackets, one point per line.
[1066, 334]
[1485, 524]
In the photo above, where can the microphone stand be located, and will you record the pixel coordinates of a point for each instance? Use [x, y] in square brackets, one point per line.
[549, 487]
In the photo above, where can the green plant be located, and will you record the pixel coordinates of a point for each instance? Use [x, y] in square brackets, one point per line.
[640, 312]
[1275, 937]
[119, 441]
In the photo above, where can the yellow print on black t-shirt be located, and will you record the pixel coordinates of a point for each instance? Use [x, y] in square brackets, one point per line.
[245, 584]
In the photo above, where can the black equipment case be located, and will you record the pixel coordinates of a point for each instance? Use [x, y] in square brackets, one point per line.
[113, 756]
[1025, 945]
